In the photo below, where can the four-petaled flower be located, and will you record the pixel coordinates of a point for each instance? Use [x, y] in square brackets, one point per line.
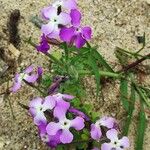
[76, 34]
[27, 75]
[38, 106]
[96, 132]
[115, 142]
[51, 30]
[66, 4]
[64, 125]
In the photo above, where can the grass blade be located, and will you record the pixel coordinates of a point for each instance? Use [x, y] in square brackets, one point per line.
[124, 93]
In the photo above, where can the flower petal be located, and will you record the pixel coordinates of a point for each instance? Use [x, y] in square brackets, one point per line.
[112, 134]
[16, 86]
[66, 137]
[52, 128]
[28, 69]
[61, 109]
[67, 97]
[64, 18]
[79, 41]
[40, 118]
[49, 12]
[95, 132]
[106, 146]
[55, 33]
[48, 28]
[124, 142]
[49, 103]
[66, 34]
[86, 33]
[77, 123]
[31, 78]
[107, 122]
[37, 102]
[75, 17]
[70, 4]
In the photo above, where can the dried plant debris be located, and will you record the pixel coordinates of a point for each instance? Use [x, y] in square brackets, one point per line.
[12, 26]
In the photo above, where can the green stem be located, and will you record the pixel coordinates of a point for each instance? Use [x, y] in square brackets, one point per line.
[102, 73]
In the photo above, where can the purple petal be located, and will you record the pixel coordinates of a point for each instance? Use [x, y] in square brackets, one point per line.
[16, 86]
[77, 123]
[107, 122]
[86, 33]
[39, 71]
[40, 118]
[106, 146]
[70, 4]
[48, 28]
[61, 109]
[37, 102]
[52, 128]
[75, 17]
[44, 46]
[67, 97]
[95, 148]
[49, 103]
[31, 78]
[95, 132]
[54, 34]
[124, 142]
[66, 34]
[28, 69]
[79, 41]
[64, 18]
[112, 134]
[49, 12]
[66, 136]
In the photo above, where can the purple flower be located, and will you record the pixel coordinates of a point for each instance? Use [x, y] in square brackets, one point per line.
[51, 30]
[27, 75]
[44, 46]
[96, 132]
[76, 34]
[115, 143]
[38, 106]
[51, 141]
[66, 4]
[64, 125]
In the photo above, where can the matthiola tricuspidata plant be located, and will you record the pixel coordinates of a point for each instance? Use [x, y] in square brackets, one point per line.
[60, 113]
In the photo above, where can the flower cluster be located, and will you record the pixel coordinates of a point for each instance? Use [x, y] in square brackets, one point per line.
[63, 24]
[56, 129]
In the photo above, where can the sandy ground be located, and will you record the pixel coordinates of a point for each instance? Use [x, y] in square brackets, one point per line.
[114, 23]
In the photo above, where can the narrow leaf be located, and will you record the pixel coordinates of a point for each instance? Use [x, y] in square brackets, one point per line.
[124, 93]
[95, 69]
[141, 131]
[131, 109]
[101, 60]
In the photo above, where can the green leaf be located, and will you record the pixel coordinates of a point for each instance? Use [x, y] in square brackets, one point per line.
[141, 131]
[95, 69]
[130, 112]
[101, 60]
[124, 93]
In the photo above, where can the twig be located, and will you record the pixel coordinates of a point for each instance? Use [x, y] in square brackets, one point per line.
[134, 64]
